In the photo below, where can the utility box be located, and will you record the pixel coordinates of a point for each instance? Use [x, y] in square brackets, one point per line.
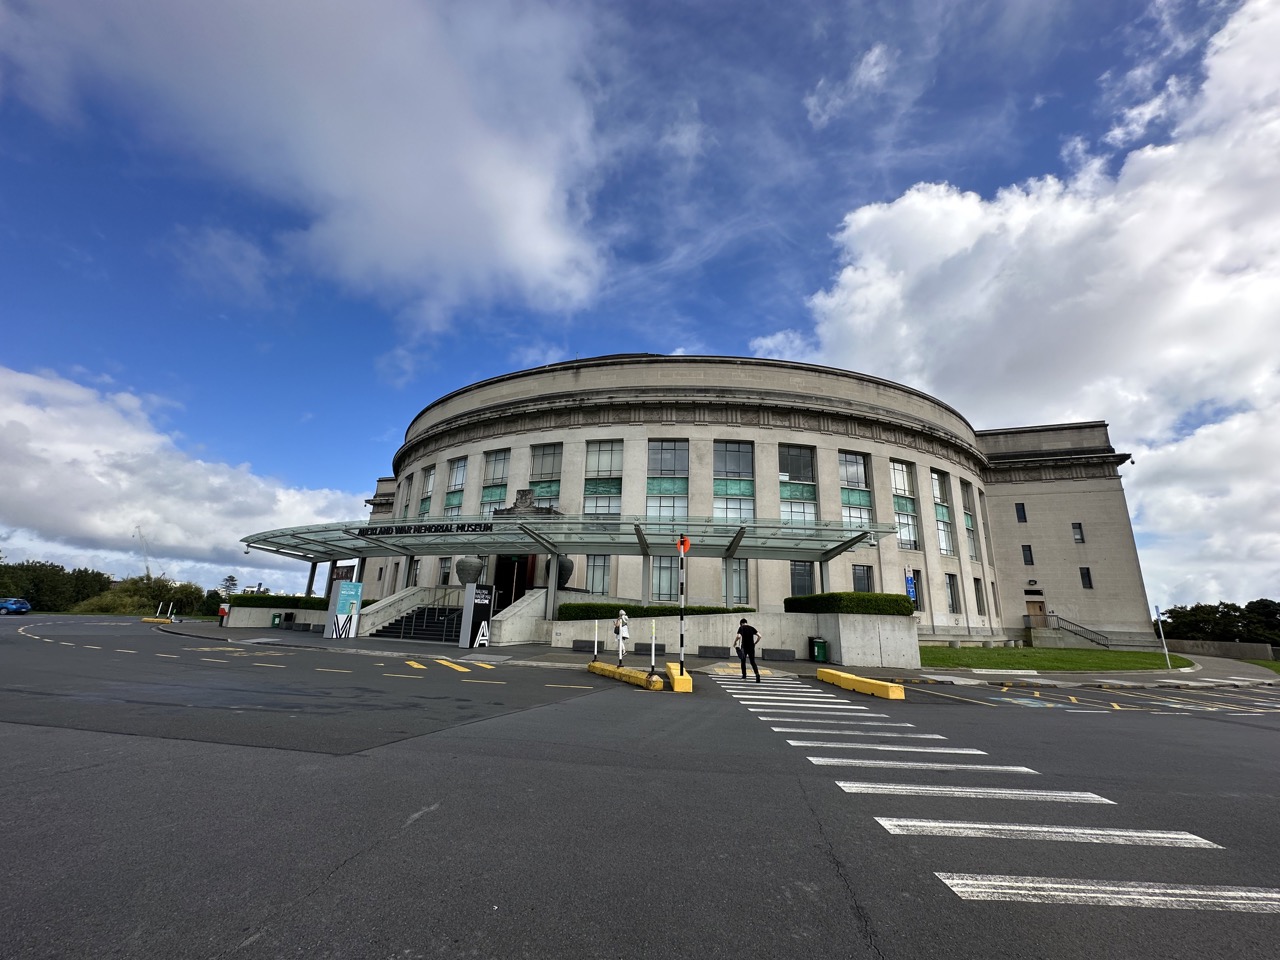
[275, 620]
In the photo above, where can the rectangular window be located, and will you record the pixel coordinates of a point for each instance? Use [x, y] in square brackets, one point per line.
[733, 509]
[546, 493]
[604, 458]
[414, 571]
[666, 578]
[734, 460]
[446, 568]
[602, 495]
[496, 464]
[1077, 532]
[381, 571]
[452, 511]
[457, 474]
[1027, 557]
[853, 470]
[795, 463]
[942, 512]
[738, 589]
[979, 599]
[545, 461]
[1020, 509]
[798, 512]
[902, 480]
[855, 496]
[801, 578]
[668, 458]
[995, 599]
[864, 578]
[424, 506]
[1086, 578]
[667, 508]
[598, 574]
[970, 523]
[407, 489]
[953, 593]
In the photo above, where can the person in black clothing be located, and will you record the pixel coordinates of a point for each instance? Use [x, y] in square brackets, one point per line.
[746, 640]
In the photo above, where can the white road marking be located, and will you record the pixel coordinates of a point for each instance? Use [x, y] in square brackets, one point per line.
[985, 793]
[1169, 896]
[784, 705]
[914, 765]
[1069, 710]
[120, 650]
[1038, 831]
[860, 733]
[1012, 673]
[845, 723]
[89, 646]
[797, 712]
[897, 747]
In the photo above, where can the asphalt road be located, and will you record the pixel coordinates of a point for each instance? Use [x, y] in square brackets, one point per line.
[162, 799]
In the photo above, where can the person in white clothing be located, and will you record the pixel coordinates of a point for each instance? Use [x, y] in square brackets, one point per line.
[620, 631]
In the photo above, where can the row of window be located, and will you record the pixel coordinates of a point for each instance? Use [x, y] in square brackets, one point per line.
[734, 477]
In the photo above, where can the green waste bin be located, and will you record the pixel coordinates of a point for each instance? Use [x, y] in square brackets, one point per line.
[275, 619]
[817, 650]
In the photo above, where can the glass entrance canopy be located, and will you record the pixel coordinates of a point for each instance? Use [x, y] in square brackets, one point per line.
[608, 534]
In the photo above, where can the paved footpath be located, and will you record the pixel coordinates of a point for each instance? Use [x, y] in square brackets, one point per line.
[1208, 672]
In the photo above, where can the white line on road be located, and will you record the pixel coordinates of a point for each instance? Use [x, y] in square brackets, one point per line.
[121, 650]
[171, 656]
[802, 716]
[1038, 831]
[814, 706]
[797, 712]
[985, 793]
[1170, 896]
[914, 765]
[212, 660]
[897, 747]
[860, 733]
[332, 670]
[89, 646]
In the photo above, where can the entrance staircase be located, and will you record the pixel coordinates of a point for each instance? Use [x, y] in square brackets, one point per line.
[425, 625]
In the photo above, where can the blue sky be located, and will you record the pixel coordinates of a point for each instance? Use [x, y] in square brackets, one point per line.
[241, 244]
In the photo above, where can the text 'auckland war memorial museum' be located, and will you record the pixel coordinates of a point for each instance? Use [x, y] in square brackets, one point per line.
[576, 480]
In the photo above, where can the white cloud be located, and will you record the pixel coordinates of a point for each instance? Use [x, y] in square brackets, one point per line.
[1146, 298]
[224, 264]
[83, 468]
[866, 77]
[435, 152]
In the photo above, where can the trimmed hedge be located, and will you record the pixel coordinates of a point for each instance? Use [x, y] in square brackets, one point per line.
[609, 611]
[878, 604]
[278, 601]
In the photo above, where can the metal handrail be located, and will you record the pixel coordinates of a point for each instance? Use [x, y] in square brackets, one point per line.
[1055, 622]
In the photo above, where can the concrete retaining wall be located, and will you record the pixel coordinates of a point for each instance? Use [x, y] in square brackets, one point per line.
[260, 617]
[1212, 648]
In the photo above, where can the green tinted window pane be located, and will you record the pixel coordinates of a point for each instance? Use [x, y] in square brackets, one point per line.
[904, 505]
[968, 520]
[667, 487]
[545, 488]
[850, 497]
[798, 491]
[722, 487]
[602, 487]
[496, 493]
[942, 512]
[453, 498]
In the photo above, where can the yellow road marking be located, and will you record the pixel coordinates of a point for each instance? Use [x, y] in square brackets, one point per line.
[451, 665]
[278, 666]
[477, 663]
[211, 660]
[407, 676]
[950, 696]
[570, 686]
[330, 670]
[122, 650]
[499, 682]
[415, 664]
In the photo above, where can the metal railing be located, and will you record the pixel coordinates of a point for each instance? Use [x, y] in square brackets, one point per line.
[1055, 622]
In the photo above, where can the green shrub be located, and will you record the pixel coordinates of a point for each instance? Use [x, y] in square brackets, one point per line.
[609, 611]
[876, 604]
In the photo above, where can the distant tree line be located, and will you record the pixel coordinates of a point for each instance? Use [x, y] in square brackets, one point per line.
[1258, 621]
[50, 588]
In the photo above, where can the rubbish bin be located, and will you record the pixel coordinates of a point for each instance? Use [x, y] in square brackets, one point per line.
[275, 619]
[817, 650]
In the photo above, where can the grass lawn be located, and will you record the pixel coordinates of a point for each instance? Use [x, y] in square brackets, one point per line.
[1027, 658]
[1269, 664]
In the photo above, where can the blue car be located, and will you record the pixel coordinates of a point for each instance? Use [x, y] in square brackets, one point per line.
[10, 605]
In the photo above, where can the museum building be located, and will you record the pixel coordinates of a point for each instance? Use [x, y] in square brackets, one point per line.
[788, 478]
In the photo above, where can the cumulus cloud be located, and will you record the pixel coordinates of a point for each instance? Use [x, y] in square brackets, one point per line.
[84, 467]
[1144, 297]
[433, 152]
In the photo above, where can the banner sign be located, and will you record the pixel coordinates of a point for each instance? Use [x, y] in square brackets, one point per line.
[344, 610]
[417, 529]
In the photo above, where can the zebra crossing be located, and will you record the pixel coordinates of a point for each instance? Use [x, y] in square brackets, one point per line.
[844, 726]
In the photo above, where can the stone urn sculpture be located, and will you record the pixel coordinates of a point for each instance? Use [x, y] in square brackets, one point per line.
[468, 569]
[564, 570]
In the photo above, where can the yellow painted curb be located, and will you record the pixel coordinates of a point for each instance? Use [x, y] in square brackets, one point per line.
[680, 684]
[637, 678]
[849, 681]
[156, 620]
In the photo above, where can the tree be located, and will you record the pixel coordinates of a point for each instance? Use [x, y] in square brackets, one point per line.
[1221, 622]
[229, 585]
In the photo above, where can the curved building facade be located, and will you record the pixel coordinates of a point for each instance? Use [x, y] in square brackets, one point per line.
[737, 440]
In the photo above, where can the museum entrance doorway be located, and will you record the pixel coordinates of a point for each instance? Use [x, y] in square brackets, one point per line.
[511, 579]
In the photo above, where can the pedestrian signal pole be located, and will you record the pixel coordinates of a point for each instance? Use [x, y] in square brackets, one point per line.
[683, 544]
